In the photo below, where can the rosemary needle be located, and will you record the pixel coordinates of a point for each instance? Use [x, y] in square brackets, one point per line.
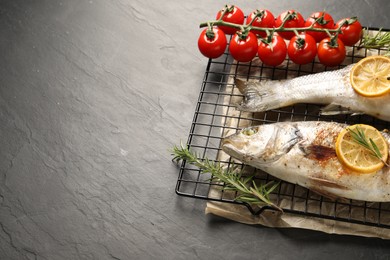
[248, 190]
[379, 40]
[359, 137]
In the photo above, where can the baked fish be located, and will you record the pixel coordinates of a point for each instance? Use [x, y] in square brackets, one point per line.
[331, 88]
[303, 153]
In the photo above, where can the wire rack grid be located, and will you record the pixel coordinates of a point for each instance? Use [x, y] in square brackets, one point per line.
[216, 110]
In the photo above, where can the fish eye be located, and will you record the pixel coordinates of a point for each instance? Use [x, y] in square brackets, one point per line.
[249, 131]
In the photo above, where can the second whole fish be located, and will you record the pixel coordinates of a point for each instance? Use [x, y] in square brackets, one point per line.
[330, 88]
[303, 153]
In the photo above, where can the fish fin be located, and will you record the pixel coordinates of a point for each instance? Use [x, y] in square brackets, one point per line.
[320, 182]
[337, 109]
[241, 85]
[320, 185]
[260, 96]
[357, 113]
[324, 193]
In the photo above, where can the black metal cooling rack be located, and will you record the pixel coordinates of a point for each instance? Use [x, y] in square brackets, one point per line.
[213, 116]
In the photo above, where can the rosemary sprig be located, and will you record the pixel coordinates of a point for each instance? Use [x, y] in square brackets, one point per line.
[360, 137]
[379, 40]
[248, 190]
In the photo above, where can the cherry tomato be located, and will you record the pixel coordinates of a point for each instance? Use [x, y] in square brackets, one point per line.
[331, 55]
[267, 21]
[243, 49]
[274, 53]
[295, 20]
[351, 31]
[302, 49]
[212, 47]
[321, 20]
[234, 15]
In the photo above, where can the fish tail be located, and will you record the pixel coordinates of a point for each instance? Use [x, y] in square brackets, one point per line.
[261, 96]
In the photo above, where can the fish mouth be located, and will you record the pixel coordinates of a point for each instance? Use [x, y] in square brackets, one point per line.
[232, 148]
[238, 145]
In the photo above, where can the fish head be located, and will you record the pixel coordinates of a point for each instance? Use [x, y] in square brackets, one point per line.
[262, 144]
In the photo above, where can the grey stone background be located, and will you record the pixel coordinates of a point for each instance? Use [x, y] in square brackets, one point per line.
[93, 93]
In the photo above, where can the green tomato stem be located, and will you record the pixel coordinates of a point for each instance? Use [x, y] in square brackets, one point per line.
[226, 10]
[289, 16]
[210, 33]
[258, 14]
[281, 28]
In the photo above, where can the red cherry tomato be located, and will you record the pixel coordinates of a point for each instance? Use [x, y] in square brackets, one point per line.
[302, 49]
[351, 31]
[321, 20]
[295, 20]
[235, 15]
[212, 47]
[267, 21]
[274, 53]
[331, 55]
[243, 49]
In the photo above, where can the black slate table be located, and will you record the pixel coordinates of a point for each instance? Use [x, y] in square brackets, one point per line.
[93, 94]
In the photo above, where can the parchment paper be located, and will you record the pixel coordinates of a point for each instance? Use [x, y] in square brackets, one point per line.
[304, 200]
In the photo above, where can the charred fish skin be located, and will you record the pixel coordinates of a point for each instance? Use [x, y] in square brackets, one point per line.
[330, 88]
[303, 153]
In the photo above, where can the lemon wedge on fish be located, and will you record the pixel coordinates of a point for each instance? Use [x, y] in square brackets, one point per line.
[370, 77]
[356, 156]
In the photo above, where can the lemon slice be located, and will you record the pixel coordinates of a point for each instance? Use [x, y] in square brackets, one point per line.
[370, 77]
[355, 156]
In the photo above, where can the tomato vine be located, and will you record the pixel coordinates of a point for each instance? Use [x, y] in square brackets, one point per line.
[261, 23]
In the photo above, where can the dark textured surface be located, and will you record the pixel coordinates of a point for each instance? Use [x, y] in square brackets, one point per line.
[93, 93]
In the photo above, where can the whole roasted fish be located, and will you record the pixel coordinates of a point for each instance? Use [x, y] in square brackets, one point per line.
[331, 88]
[303, 153]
